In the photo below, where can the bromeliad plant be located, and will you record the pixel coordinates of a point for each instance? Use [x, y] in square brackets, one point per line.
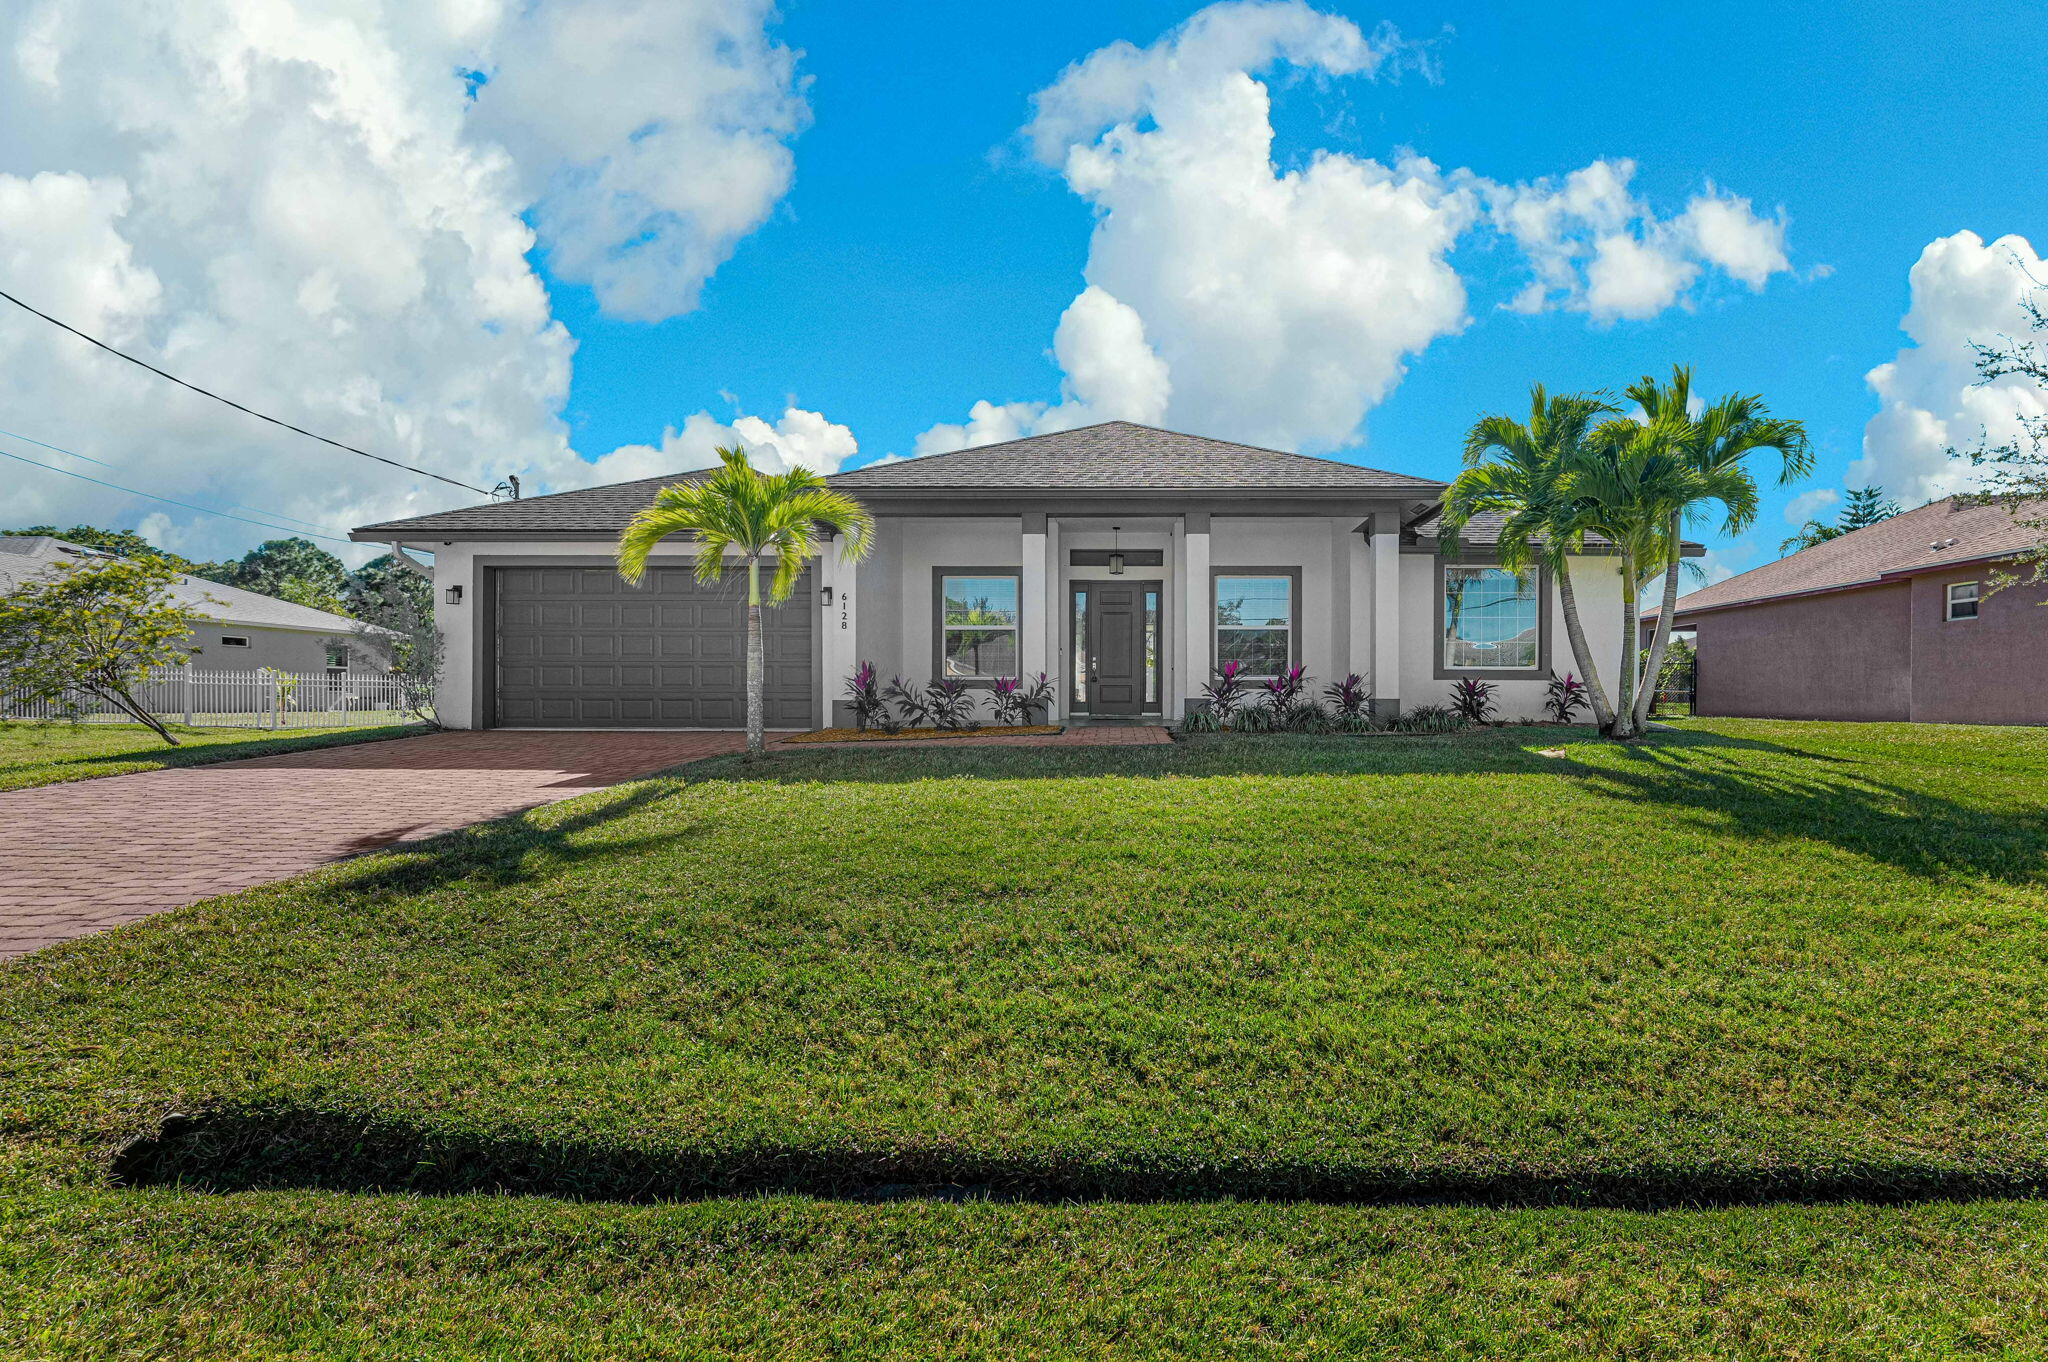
[1226, 693]
[1284, 690]
[950, 704]
[909, 701]
[864, 697]
[1564, 697]
[1351, 698]
[1013, 700]
[1472, 700]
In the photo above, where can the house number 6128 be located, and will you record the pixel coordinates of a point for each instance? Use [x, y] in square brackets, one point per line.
[844, 598]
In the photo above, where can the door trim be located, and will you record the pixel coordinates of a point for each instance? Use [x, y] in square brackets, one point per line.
[1079, 587]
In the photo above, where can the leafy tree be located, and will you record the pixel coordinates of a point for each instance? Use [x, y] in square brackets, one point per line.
[1518, 471]
[396, 626]
[753, 515]
[280, 566]
[2016, 476]
[366, 587]
[1865, 507]
[126, 543]
[1711, 450]
[93, 629]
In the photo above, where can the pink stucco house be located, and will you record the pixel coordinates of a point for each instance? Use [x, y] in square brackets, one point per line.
[1895, 621]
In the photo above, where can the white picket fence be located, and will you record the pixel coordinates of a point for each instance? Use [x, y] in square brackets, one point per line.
[258, 699]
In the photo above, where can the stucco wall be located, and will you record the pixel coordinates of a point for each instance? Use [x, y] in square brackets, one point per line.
[1990, 670]
[1844, 655]
[286, 650]
[1597, 587]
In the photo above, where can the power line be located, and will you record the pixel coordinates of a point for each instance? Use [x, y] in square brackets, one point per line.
[452, 482]
[72, 452]
[169, 501]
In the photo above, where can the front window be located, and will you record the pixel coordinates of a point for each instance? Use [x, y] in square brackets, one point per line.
[1255, 624]
[978, 626]
[337, 657]
[1962, 600]
[1491, 620]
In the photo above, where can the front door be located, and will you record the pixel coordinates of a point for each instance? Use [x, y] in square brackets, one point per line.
[1116, 646]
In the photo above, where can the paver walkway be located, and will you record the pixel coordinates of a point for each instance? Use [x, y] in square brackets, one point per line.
[82, 857]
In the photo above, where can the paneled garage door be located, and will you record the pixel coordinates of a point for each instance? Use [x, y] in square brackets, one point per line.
[579, 648]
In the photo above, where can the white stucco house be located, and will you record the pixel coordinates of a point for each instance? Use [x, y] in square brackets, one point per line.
[232, 630]
[1122, 560]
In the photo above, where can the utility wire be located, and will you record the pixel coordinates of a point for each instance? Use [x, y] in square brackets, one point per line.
[72, 452]
[169, 501]
[452, 482]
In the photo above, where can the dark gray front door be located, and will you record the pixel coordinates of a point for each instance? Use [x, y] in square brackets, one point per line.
[579, 648]
[1119, 638]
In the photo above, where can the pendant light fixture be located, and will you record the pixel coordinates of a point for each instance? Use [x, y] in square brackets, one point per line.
[1116, 552]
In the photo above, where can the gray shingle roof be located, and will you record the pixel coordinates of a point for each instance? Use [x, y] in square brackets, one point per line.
[1938, 534]
[1117, 456]
[25, 556]
[1122, 456]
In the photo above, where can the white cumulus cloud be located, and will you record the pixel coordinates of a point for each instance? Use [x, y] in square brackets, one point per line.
[1809, 504]
[1930, 402]
[1279, 305]
[300, 205]
[799, 439]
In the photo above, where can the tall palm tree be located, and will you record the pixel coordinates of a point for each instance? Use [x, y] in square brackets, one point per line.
[752, 515]
[1516, 471]
[1715, 443]
[1628, 482]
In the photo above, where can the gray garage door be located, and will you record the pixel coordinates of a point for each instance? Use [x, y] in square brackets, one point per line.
[579, 648]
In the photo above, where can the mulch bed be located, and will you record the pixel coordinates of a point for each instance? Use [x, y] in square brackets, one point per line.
[920, 734]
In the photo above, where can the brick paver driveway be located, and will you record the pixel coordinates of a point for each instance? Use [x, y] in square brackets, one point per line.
[80, 858]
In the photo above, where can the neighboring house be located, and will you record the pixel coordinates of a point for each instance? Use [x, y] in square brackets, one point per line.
[233, 630]
[1892, 621]
[1122, 560]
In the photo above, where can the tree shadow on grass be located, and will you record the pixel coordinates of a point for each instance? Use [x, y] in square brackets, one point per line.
[283, 1148]
[1797, 795]
[508, 850]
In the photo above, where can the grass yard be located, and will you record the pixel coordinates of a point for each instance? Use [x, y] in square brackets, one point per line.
[1733, 1044]
[51, 753]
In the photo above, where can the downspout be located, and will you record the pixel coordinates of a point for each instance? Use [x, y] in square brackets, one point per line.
[409, 562]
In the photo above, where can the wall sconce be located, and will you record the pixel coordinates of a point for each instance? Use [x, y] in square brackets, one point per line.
[453, 595]
[1116, 552]
[825, 595]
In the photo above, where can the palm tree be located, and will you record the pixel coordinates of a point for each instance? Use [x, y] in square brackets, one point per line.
[752, 515]
[1715, 443]
[1630, 483]
[1516, 471]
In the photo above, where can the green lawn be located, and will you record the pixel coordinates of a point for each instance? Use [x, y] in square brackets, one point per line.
[1571, 1003]
[51, 753]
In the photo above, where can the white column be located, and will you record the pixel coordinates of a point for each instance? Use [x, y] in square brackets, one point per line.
[1198, 627]
[842, 649]
[1386, 610]
[1035, 598]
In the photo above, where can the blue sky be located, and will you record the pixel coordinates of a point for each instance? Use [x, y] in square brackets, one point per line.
[832, 230]
[922, 261]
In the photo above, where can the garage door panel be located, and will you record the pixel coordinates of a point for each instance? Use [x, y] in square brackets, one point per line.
[578, 647]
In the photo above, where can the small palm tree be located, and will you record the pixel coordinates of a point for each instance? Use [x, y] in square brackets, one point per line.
[1715, 444]
[1516, 470]
[752, 515]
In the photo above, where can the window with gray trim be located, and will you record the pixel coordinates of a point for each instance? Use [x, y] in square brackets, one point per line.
[977, 625]
[1492, 620]
[1962, 600]
[1255, 623]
